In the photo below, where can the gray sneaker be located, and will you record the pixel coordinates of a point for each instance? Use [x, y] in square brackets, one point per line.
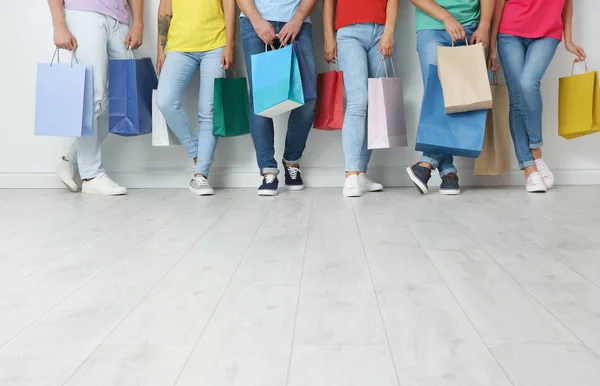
[199, 185]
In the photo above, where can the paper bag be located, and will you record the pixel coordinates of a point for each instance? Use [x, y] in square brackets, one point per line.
[161, 134]
[329, 113]
[578, 105]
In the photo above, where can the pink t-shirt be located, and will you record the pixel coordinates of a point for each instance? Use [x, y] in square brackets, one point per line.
[533, 18]
[117, 9]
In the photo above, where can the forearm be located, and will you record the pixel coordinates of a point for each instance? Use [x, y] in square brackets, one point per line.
[487, 12]
[498, 10]
[57, 10]
[328, 7]
[304, 10]
[568, 21]
[137, 10]
[229, 12]
[165, 14]
[249, 10]
[391, 12]
[432, 8]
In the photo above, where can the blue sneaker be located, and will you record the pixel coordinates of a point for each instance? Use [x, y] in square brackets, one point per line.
[293, 178]
[269, 186]
[449, 185]
[420, 176]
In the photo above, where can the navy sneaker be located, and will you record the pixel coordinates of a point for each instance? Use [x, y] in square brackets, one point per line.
[293, 178]
[449, 185]
[420, 176]
[269, 186]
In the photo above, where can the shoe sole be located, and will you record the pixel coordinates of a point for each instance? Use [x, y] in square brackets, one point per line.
[422, 188]
[103, 194]
[294, 188]
[449, 192]
[199, 193]
[351, 195]
[267, 193]
[536, 191]
[70, 183]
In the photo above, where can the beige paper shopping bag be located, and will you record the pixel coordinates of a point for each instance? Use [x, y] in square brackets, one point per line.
[495, 155]
[463, 74]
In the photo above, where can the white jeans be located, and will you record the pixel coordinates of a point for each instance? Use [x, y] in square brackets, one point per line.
[99, 38]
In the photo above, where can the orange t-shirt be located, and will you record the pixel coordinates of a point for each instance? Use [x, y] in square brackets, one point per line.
[360, 11]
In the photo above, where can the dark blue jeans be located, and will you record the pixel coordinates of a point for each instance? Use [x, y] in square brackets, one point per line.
[301, 119]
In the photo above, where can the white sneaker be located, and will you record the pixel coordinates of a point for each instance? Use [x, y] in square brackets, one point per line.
[352, 186]
[102, 185]
[65, 170]
[535, 184]
[199, 185]
[366, 185]
[545, 173]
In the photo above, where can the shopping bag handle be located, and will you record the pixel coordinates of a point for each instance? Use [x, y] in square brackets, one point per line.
[270, 45]
[225, 72]
[385, 67]
[466, 42]
[573, 66]
[494, 78]
[57, 56]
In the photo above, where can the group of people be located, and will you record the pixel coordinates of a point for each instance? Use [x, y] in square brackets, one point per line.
[358, 34]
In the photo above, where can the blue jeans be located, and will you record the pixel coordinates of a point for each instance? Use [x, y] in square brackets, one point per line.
[427, 44]
[175, 76]
[525, 61]
[301, 119]
[358, 58]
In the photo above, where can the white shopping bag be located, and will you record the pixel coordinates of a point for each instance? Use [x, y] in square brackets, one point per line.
[161, 134]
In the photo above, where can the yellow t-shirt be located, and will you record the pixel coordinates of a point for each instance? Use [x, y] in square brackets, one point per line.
[196, 26]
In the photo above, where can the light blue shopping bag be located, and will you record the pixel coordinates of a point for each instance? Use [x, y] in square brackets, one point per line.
[64, 99]
[276, 82]
[459, 134]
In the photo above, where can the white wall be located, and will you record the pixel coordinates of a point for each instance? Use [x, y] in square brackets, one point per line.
[26, 160]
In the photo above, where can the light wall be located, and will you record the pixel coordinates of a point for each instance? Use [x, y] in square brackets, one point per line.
[26, 160]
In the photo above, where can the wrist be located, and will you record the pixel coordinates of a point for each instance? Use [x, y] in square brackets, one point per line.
[389, 31]
[484, 24]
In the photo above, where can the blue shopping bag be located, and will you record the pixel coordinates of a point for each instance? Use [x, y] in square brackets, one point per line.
[130, 85]
[308, 85]
[64, 99]
[276, 82]
[459, 134]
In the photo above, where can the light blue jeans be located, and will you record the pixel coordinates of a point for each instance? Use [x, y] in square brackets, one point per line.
[358, 59]
[525, 62]
[175, 76]
[427, 43]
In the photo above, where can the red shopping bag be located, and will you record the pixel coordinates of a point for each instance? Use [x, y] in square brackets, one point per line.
[330, 101]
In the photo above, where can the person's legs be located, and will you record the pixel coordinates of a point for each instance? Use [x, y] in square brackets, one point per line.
[210, 69]
[302, 118]
[92, 33]
[353, 45]
[512, 52]
[177, 71]
[261, 128]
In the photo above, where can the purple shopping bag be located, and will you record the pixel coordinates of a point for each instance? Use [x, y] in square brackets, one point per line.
[386, 122]
[64, 99]
[308, 85]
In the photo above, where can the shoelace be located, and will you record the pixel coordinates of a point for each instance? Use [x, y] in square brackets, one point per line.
[201, 181]
[270, 178]
[293, 172]
[451, 177]
[535, 179]
[541, 168]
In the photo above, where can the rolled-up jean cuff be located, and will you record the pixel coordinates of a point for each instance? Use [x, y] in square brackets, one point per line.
[536, 145]
[447, 171]
[526, 164]
[269, 170]
[203, 171]
[431, 161]
[290, 162]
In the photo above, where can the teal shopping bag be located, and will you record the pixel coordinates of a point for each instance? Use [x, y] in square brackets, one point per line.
[276, 82]
[231, 111]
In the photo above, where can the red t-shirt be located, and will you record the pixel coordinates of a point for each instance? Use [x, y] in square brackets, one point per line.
[359, 11]
[533, 18]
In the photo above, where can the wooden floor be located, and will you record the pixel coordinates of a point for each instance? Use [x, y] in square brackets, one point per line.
[495, 287]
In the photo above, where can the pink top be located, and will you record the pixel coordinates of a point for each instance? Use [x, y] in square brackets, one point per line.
[533, 18]
[117, 9]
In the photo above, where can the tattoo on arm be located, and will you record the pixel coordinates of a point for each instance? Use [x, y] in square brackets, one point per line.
[164, 21]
